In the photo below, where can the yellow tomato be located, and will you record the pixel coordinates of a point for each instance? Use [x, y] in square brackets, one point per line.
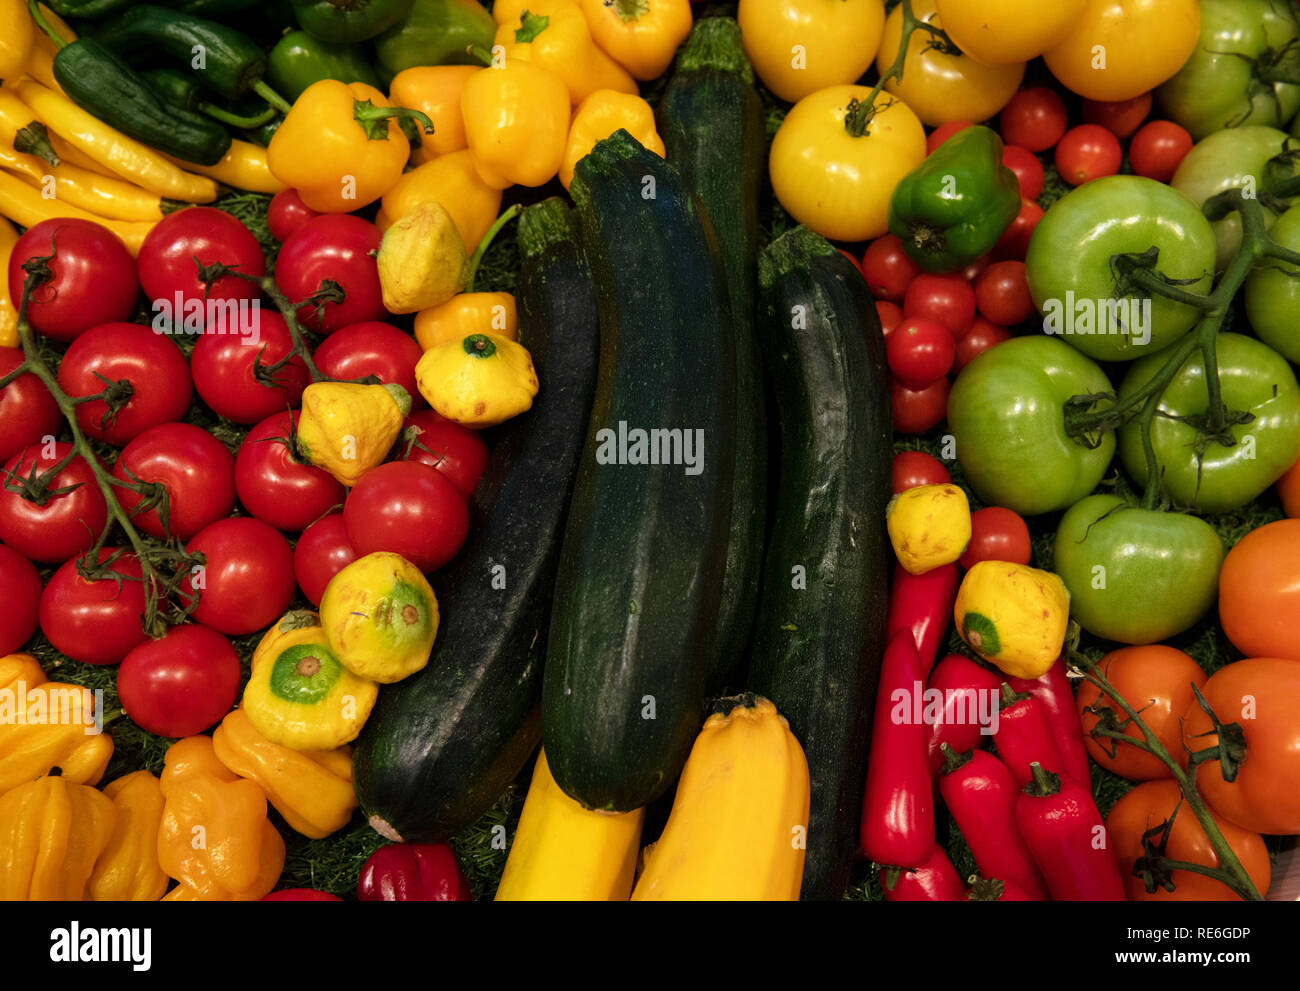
[940, 83]
[801, 46]
[1002, 32]
[1119, 49]
[833, 174]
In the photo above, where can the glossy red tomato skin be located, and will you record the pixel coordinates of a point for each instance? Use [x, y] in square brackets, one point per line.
[458, 452]
[887, 268]
[323, 551]
[222, 366]
[946, 299]
[917, 410]
[94, 277]
[196, 469]
[276, 487]
[1002, 294]
[20, 591]
[913, 468]
[372, 348]
[410, 509]
[982, 335]
[28, 413]
[1122, 117]
[997, 534]
[890, 314]
[171, 253]
[247, 575]
[919, 351]
[1014, 242]
[180, 684]
[1034, 118]
[1088, 152]
[1028, 169]
[96, 622]
[68, 524]
[152, 363]
[340, 248]
[943, 132]
[1158, 149]
[287, 213]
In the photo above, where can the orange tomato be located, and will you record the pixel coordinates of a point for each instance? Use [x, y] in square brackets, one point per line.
[1259, 591]
[1288, 490]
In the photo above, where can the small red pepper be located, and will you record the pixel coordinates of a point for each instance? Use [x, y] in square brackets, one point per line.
[413, 872]
[934, 880]
[965, 686]
[301, 895]
[995, 890]
[1056, 697]
[981, 796]
[923, 605]
[1065, 834]
[1024, 736]
[897, 826]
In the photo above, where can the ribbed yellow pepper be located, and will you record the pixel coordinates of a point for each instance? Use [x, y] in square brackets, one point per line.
[453, 181]
[516, 122]
[244, 166]
[479, 380]
[347, 428]
[640, 35]
[21, 667]
[599, 116]
[468, 313]
[421, 259]
[128, 870]
[556, 37]
[435, 90]
[48, 725]
[51, 832]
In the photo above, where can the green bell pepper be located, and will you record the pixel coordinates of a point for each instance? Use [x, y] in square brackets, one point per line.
[345, 22]
[436, 33]
[300, 59]
[955, 205]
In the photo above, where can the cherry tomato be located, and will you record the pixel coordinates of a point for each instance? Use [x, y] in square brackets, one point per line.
[247, 577]
[28, 413]
[372, 348]
[913, 468]
[223, 369]
[1259, 591]
[323, 551]
[94, 277]
[948, 300]
[1014, 242]
[981, 336]
[1088, 152]
[333, 248]
[1121, 117]
[410, 509]
[95, 622]
[287, 213]
[943, 132]
[458, 452]
[180, 684]
[194, 468]
[852, 260]
[156, 376]
[174, 251]
[1028, 169]
[890, 315]
[972, 271]
[887, 268]
[20, 591]
[917, 410]
[919, 351]
[66, 525]
[1002, 294]
[274, 485]
[997, 534]
[1158, 149]
[300, 894]
[1034, 119]
[1288, 490]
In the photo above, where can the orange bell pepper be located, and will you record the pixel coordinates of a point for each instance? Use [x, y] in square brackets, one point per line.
[435, 90]
[516, 121]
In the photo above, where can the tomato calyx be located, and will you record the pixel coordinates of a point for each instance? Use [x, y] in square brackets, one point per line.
[154, 496]
[984, 889]
[1275, 65]
[35, 487]
[1230, 751]
[859, 114]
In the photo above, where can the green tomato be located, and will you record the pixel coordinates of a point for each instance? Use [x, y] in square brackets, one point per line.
[1136, 575]
[1219, 85]
[1007, 416]
[1072, 282]
[1254, 378]
[1273, 293]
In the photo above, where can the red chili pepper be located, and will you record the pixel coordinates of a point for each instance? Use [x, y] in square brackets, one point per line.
[301, 895]
[967, 689]
[935, 880]
[898, 810]
[1065, 834]
[995, 890]
[1057, 701]
[981, 795]
[1024, 736]
[923, 605]
[413, 872]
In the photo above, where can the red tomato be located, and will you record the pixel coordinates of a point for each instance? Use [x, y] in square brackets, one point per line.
[919, 351]
[301, 894]
[222, 365]
[95, 622]
[917, 410]
[1002, 294]
[982, 336]
[20, 591]
[372, 348]
[972, 271]
[410, 509]
[943, 132]
[287, 213]
[194, 468]
[887, 268]
[1158, 149]
[890, 315]
[277, 487]
[458, 452]
[180, 684]
[323, 551]
[1088, 152]
[94, 277]
[1015, 239]
[948, 300]
[28, 413]
[1122, 117]
[1028, 169]
[997, 534]
[158, 386]
[170, 259]
[66, 525]
[1034, 118]
[247, 576]
[336, 248]
[913, 468]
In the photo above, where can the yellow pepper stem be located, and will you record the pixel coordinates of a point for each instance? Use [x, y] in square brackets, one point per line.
[486, 242]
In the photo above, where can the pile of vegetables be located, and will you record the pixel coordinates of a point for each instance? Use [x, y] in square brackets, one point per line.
[569, 450]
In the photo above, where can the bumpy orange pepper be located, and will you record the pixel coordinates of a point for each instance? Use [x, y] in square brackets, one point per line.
[516, 120]
[599, 116]
[127, 870]
[553, 34]
[51, 832]
[453, 181]
[468, 313]
[47, 724]
[640, 35]
[435, 90]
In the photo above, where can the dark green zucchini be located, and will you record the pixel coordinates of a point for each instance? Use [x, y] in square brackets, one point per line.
[711, 121]
[441, 745]
[821, 614]
[634, 621]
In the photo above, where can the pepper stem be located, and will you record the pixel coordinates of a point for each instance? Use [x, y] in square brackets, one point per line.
[1045, 782]
[374, 120]
[34, 8]
[271, 96]
[235, 120]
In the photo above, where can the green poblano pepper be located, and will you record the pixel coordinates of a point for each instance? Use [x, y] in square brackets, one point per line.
[436, 33]
[349, 21]
[299, 59]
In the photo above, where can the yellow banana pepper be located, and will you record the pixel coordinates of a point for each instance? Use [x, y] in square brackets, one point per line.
[48, 725]
[347, 428]
[599, 116]
[127, 870]
[554, 35]
[19, 667]
[516, 121]
[479, 380]
[17, 38]
[468, 313]
[8, 306]
[434, 90]
[25, 205]
[640, 35]
[312, 789]
[51, 832]
[104, 197]
[214, 837]
[421, 259]
[453, 181]
[244, 166]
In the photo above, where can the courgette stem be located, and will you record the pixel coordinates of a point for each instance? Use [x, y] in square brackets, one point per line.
[715, 43]
[544, 224]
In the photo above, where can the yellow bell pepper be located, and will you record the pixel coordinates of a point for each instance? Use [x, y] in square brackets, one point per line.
[421, 259]
[468, 313]
[555, 36]
[214, 837]
[8, 307]
[453, 181]
[298, 694]
[17, 38]
[341, 146]
[479, 380]
[48, 725]
[640, 35]
[435, 90]
[1013, 616]
[347, 428]
[20, 667]
[516, 122]
[929, 526]
[244, 166]
[311, 789]
[128, 870]
[599, 116]
[51, 832]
